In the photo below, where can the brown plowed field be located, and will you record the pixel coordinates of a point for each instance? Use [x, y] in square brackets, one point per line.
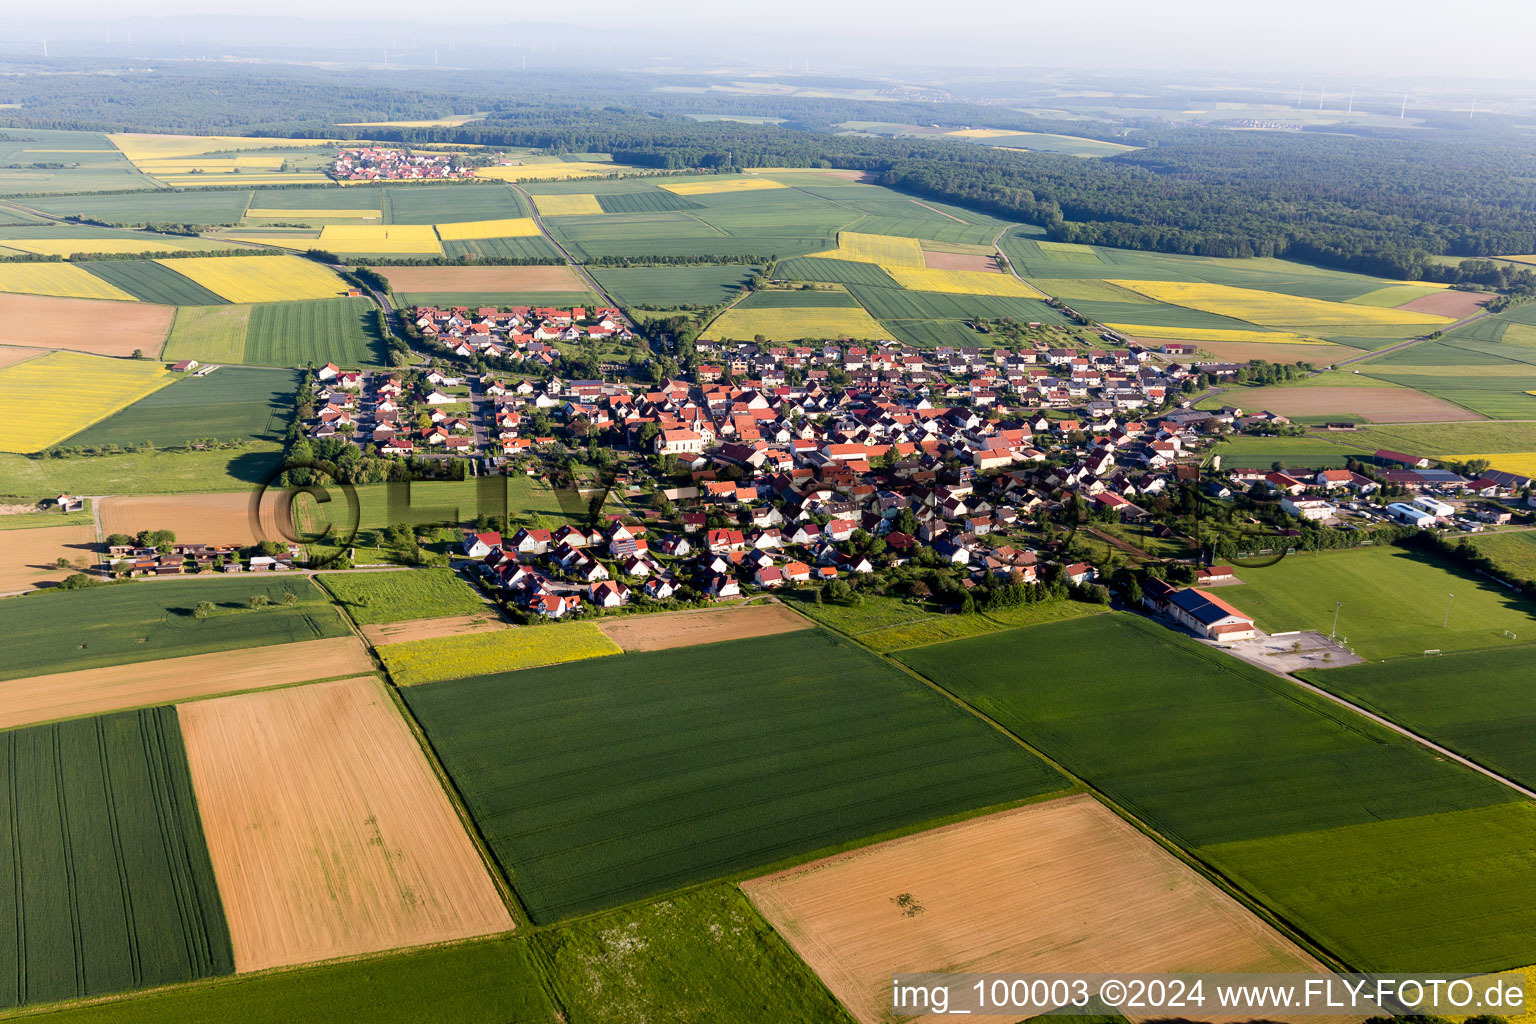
[95, 691]
[223, 518]
[426, 629]
[685, 629]
[329, 834]
[1449, 303]
[1067, 887]
[1379, 405]
[959, 261]
[84, 325]
[10, 355]
[483, 279]
[27, 557]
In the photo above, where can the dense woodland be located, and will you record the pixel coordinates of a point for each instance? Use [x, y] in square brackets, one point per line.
[1380, 202]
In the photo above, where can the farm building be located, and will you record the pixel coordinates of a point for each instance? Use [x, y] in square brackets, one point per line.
[1412, 515]
[1209, 616]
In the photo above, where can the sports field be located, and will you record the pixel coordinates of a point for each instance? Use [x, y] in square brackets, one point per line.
[58, 394]
[260, 278]
[95, 691]
[83, 325]
[478, 654]
[373, 598]
[1346, 829]
[232, 403]
[1474, 702]
[106, 878]
[328, 832]
[611, 780]
[1391, 602]
[66, 280]
[818, 323]
[144, 621]
[1101, 896]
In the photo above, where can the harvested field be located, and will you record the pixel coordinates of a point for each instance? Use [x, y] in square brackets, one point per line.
[1069, 886]
[329, 834]
[684, 629]
[195, 518]
[10, 355]
[28, 557]
[93, 691]
[85, 325]
[1449, 302]
[482, 279]
[429, 629]
[975, 263]
[1376, 404]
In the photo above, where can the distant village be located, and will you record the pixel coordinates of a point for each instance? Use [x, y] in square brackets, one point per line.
[376, 163]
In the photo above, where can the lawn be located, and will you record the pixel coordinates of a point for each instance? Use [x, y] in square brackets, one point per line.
[209, 334]
[106, 881]
[494, 982]
[316, 332]
[148, 281]
[706, 955]
[372, 598]
[144, 621]
[1393, 601]
[233, 403]
[1514, 552]
[1477, 703]
[60, 393]
[601, 783]
[479, 654]
[1240, 767]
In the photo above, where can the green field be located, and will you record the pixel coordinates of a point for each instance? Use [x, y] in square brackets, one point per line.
[1394, 601]
[652, 200]
[451, 502]
[1477, 703]
[520, 247]
[1514, 552]
[153, 472]
[563, 300]
[887, 624]
[149, 281]
[98, 164]
[105, 881]
[209, 334]
[493, 982]
[312, 333]
[449, 204]
[1318, 813]
[833, 272]
[163, 207]
[612, 780]
[669, 287]
[933, 333]
[1326, 451]
[378, 597]
[797, 298]
[900, 304]
[232, 403]
[144, 621]
[706, 955]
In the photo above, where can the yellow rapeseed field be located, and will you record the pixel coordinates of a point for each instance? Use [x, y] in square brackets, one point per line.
[61, 393]
[963, 282]
[796, 324]
[269, 214]
[69, 246]
[380, 238]
[581, 205]
[1207, 334]
[62, 279]
[260, 278]
[1275, 308]
[512, 227]
[714, 183]
[169, 147]
[478, 654]
[886, 250]
[549, 171]
[982, 133]
[1523, 463]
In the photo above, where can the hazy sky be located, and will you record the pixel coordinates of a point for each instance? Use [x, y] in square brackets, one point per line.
[1391, 37]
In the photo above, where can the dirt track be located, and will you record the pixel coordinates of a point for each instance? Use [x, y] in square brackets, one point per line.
[1069, 886]
[685, 629]
[94, 691]
[329, 834]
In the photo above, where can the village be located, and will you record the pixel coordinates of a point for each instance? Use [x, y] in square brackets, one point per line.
[379, 163]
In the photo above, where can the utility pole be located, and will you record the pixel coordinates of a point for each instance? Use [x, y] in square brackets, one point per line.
[1447, 623]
